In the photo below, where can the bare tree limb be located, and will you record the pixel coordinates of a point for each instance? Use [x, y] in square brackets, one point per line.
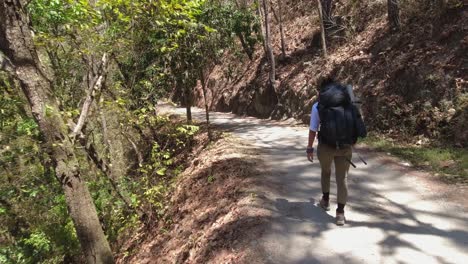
[393, 9]
[322, 27]
[135, 148]
[91, 93]
[283, 44]
[203, 79]
[269, 49]
[275, 15]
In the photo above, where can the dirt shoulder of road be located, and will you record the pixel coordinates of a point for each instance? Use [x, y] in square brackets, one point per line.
[455, 192]
[216, 213]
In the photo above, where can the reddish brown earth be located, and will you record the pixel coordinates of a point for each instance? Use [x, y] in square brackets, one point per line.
[212, 216]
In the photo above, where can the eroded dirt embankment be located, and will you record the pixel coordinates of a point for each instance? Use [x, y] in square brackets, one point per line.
[214, 214]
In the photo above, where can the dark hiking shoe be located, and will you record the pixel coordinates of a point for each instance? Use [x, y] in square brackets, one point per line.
[340, 219]
[324, 204]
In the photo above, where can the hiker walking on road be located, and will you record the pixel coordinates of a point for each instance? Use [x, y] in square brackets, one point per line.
[338, 123]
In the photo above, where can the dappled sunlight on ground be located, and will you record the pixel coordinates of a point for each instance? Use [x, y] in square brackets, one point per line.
[395, 215]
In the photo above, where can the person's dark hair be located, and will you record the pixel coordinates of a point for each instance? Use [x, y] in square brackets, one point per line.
[325, 84]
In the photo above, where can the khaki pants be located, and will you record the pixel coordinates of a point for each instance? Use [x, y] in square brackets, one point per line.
[326, 155]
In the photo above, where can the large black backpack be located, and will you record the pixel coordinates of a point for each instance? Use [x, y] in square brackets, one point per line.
[340, 120]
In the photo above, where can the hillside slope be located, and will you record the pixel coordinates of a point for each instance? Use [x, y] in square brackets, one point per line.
[412, 83]
[214, 215]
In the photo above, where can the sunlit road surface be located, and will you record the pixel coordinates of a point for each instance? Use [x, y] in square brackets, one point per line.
[394, 215]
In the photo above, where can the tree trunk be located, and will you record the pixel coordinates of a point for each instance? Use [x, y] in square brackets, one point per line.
[95, 88]
[262, 28]
[245, 47]
[283, 44]
[188, 103]
[17, 45]
[207, 112]
[322, 28]
[269, 49]
[394, 14]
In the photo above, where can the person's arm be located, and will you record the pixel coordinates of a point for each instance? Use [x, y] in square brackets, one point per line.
[314, 125]
[312, 135]
[310, 149]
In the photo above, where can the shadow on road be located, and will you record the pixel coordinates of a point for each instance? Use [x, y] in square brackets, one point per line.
[392, 216]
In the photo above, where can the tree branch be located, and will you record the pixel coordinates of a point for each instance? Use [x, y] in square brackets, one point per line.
[135, 148]
[274, 13]
[91, 93]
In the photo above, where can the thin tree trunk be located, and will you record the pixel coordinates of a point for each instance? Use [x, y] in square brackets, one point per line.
[393, 14]
[207, 112]
[16, 43]
[438, 7]
[105, 132]
[188, 103]
[269, 49]
[283, 44]
[322, 28]
[91, 93]
[135, 148]
[245, 47]
[262, 27]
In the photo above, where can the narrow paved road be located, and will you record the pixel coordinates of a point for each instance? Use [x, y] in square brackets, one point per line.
[395, 214]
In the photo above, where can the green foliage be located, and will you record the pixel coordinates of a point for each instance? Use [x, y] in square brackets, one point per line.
[246, 24]
[66, 31]
[154, 46]
[161, 169]
[62, 14]
[38, 243]
[27, 127]
[28, 190]
[115, 216]
[174, 41]
[211, 179]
